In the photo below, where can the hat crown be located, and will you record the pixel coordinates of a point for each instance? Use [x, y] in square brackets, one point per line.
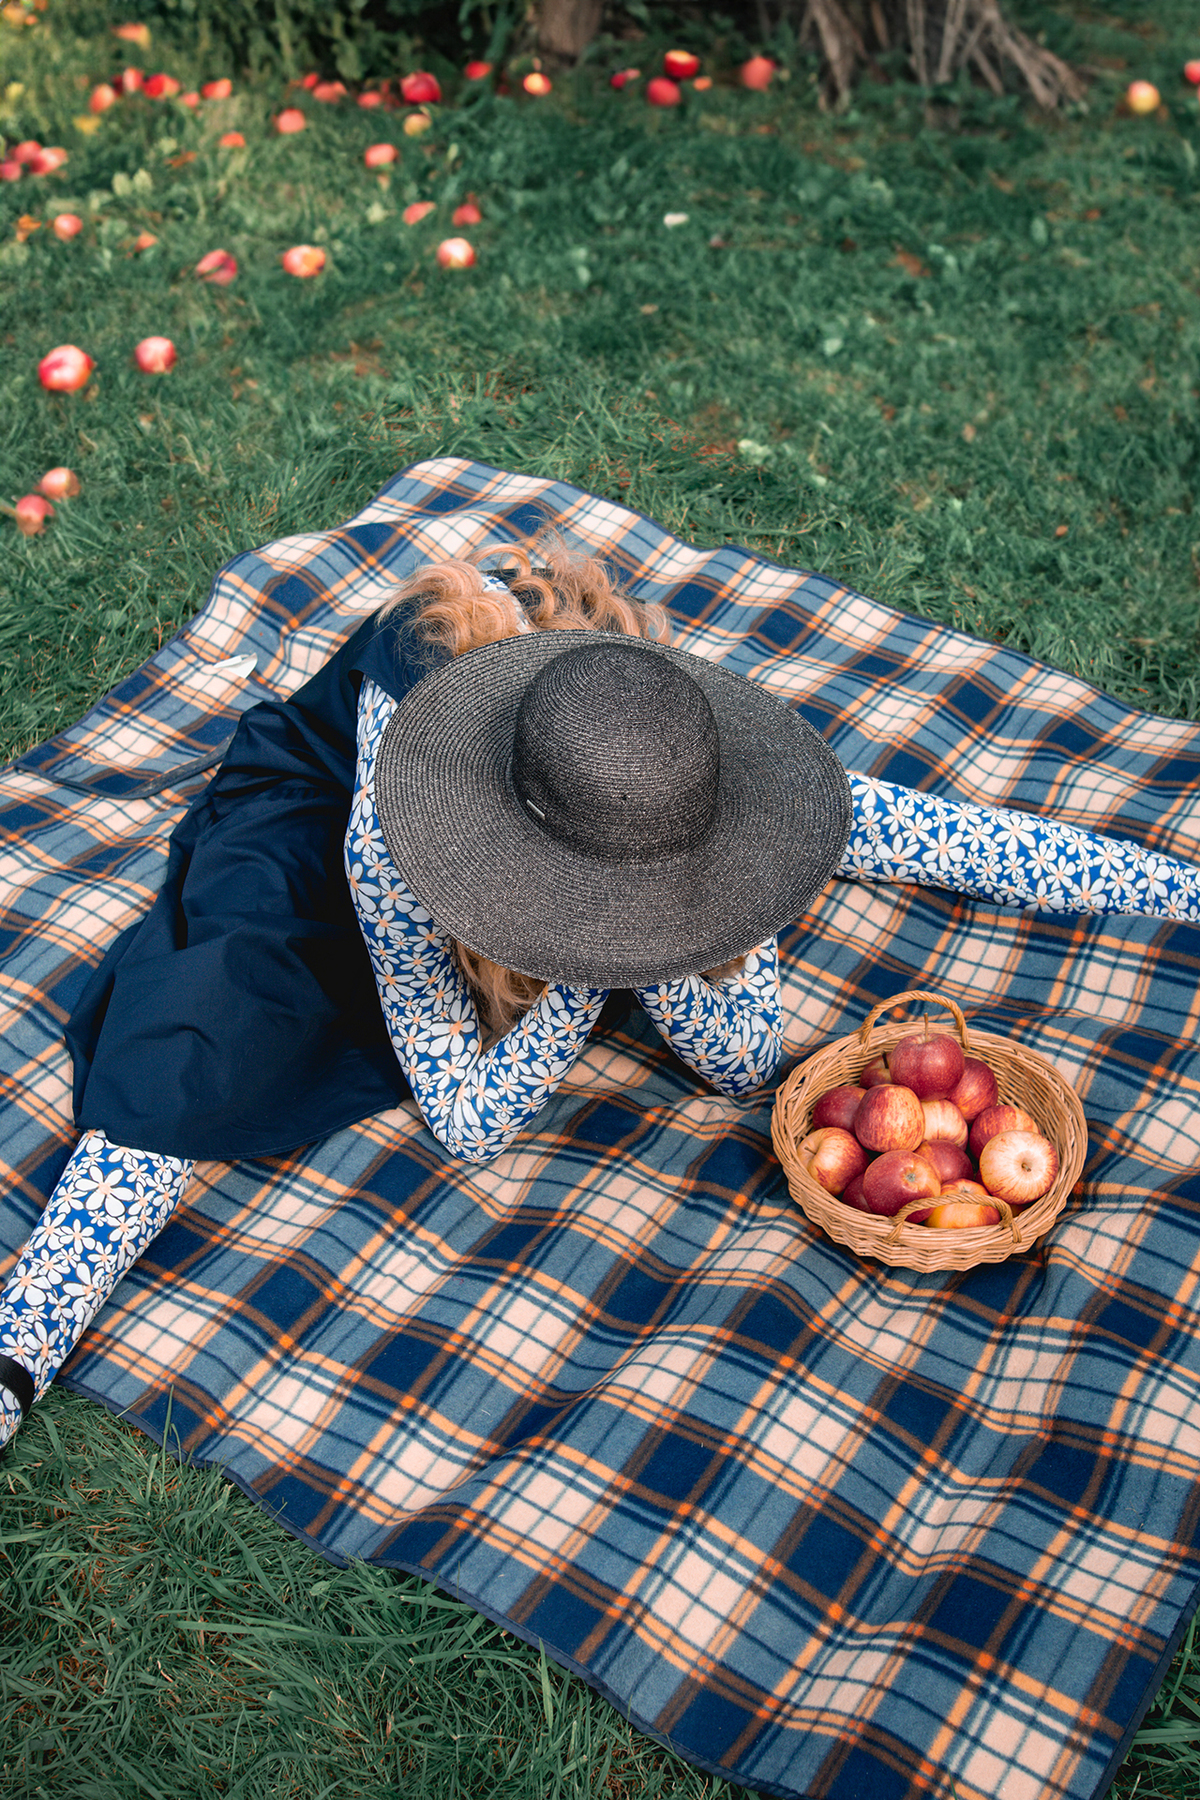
[616, 753]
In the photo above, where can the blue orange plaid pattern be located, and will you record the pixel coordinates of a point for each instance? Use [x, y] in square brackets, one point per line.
[829, 1528]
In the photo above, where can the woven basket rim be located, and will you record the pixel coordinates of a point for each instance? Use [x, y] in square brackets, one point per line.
[920, 1246]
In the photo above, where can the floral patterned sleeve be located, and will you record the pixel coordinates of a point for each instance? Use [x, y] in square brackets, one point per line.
[1015, 858]
[730, 1031]
[108, 1205]
[475, 1101]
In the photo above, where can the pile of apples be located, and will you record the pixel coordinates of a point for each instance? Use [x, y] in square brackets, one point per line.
[924, 1123]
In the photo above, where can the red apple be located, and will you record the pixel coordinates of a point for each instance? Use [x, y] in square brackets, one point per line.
[852, 1195]
[997, 1118]
[10, 170]
[975, 1089]
[477, 71]
[290, 121]
[702, 83]
[943, 1120]
[961, 1210]
[623, 77]
[231, 140]
[455, 253]
[134, 34]
[889, 1118]
[931, 1065]
[217, 90]
[103, 96]
[59, 484]
[895, 1178]
[950, 1160]
[308, 81]
[145, 240]
[466, 214]
[838, 1106]
[131, 81]
[66, 225]
[31, 513]
[420, 209]
[154, 355]
[218, 268]
[65, 369]
[192, 100]
[757, 72]
[1142, 97]
[329, 91]
[681, 65]
[661, 92]
[26, 152]
[1018, 1166]
[378, 156]
[875, 1073]
[832, 1157]
[420, 89]
[537, 83]
[160, 87]
[372, 98]
[48, 160]
[304, 260]
[1191, 72]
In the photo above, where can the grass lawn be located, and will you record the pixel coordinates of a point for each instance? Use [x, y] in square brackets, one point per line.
[956, 368]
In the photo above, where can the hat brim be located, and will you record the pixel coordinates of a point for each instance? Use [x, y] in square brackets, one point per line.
[498, 883]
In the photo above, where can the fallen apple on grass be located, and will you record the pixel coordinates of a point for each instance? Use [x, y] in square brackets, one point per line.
[65, 369]
[303, 260]
[59, 484]
[420, 209]
[455, 253]
[420, 88]
[218, 268]
[31, 513]
[680, 65]
[290, 121]
[466, 214]
[379, 156]
[161, 87]
[217, 90]
[889, 1118]
[66, 226]
[537, 84]
[832, 1157]
[1018, 1166]
[662, 92]
[1142, 97]
[231, 140]
[757, 72]
[102, 97]
[155, 355]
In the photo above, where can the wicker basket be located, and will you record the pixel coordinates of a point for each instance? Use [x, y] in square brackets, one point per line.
[1024, 1079]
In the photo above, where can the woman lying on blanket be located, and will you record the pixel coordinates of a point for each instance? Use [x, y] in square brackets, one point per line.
[518, 798]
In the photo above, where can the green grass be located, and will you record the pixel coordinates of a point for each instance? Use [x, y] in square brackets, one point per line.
[958, 369]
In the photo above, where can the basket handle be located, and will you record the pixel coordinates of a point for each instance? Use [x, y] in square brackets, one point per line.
[864, 1030]
[1007, 1217]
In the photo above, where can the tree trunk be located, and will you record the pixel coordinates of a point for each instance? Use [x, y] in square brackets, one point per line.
[941, 37]
[565, 28]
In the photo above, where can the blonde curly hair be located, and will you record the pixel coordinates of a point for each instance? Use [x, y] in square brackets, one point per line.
[559, 590]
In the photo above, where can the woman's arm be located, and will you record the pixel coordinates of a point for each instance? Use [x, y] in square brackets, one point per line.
[729, 1030]
[475, 1101]
[1014, 858]
[107, 1207]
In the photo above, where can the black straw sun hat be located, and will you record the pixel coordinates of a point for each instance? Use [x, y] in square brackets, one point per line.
[592, 808]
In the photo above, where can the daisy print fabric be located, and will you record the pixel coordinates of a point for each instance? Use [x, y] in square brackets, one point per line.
[108, 1205]
[1015, 858]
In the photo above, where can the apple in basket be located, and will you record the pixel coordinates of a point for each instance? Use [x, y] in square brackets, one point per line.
[889, 1117]
[994, 1119]
[890, 1181]
[1018, 1166]
[950, 1160]
[976, 1089]
[833, 1157]
[931, 1065]
[875, 1073]
[943, 1120]
[838, 1106]
[963, 1205]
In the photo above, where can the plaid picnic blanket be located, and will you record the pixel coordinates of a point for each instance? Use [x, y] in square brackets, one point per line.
[831, 1529]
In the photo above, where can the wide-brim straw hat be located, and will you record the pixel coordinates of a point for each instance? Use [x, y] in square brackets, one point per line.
[591, 808]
